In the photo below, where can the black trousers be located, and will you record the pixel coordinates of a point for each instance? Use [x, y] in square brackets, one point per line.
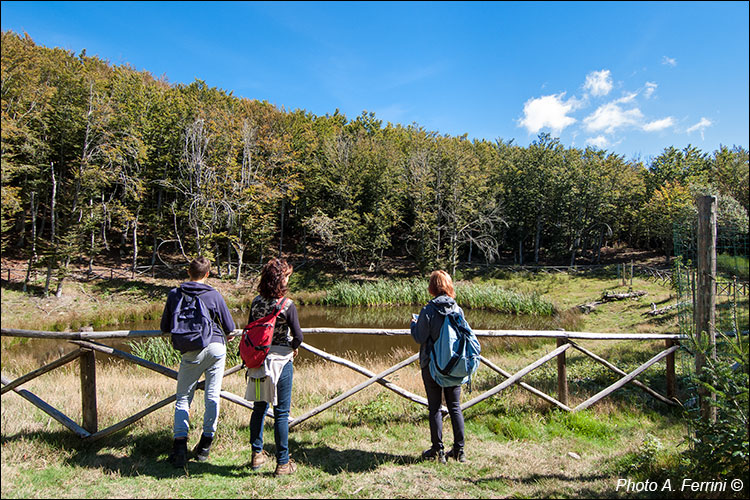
[435, 395]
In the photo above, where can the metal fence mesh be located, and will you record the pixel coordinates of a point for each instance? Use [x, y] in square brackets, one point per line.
[731, 296]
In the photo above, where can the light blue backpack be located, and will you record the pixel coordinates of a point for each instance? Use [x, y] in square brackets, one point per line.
[455, 354]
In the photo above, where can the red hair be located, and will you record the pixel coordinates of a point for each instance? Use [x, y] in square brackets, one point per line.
[441, 284]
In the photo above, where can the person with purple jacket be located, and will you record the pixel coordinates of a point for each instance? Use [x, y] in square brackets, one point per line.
[209, 360]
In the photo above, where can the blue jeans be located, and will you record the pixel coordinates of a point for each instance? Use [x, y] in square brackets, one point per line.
[210, 360]
[281, 417]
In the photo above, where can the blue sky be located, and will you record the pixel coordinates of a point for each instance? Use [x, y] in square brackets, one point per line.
[628, 77]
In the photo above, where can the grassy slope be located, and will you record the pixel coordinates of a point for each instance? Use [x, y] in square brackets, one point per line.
[365, 447]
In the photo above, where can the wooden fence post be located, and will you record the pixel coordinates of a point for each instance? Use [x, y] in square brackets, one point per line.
[671, 392]
[88, 390]
[705, 300]
[562, 374]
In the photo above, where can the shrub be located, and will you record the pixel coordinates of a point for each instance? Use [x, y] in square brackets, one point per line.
[720, 448]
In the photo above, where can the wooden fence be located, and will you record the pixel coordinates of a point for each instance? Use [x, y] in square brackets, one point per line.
[88, 345]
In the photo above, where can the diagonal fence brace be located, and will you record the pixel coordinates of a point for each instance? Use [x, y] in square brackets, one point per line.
[516, 377]
[601, 394]
[354, 390]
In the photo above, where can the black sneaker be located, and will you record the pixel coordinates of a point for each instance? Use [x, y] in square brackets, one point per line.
[178, 457]
[202, 448]
[457, 453]
[434, 454]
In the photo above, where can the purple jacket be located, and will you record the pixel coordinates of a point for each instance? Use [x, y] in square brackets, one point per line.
[222, 318]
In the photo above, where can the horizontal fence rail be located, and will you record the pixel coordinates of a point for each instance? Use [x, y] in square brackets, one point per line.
[87, 345]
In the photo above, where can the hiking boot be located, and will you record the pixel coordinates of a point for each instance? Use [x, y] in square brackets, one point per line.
[283, 469]
[434, 454]
[200, 452]
[259, 458]
[178, 457]
[457, 453]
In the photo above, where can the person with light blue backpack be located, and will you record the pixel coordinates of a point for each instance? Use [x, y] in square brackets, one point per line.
[448, 356]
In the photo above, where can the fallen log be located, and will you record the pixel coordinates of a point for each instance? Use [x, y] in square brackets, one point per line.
[655, 312]
[609, 297]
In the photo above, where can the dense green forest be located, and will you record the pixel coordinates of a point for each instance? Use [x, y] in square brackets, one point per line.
[103, 161]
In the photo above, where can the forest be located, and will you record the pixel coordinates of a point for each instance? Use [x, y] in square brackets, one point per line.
[102, 161]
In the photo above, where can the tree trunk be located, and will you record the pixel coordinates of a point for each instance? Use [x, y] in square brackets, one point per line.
[281, 234]
[60, 279]
[240, 249]
[177, 233]
[537, 239]
[53, 203]
[49, 277]
[520, 252]
[135, 241]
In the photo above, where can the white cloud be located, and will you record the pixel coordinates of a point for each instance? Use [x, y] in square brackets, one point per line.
[610, 117]
[548, 111]
[650, 89]
[598, 82]
[669, 61]
[657, 125]
[627, 98]
[599, 141]
[701, 125]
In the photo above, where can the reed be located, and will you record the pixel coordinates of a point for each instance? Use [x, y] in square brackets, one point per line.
[414, 291]
[159, 350]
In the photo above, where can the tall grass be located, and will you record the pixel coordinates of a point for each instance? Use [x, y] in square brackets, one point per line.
[414, 291]
[159, 350]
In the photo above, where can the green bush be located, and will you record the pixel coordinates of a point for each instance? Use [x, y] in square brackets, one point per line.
[720, 448]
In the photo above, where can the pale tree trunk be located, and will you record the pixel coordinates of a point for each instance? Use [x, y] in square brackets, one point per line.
[135, 241]
[240, 249]
[91, 243]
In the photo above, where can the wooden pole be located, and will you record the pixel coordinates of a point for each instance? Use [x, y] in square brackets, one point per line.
[88, 390]
[671, 379]
[628, 378]
[49, 410]
[354, 390]
[130, 334]
[526, 386]
[516, 377]
[130, 420]
[385, 383]
[562, 374]
[705, 306]
[40, 371]
[635, 382]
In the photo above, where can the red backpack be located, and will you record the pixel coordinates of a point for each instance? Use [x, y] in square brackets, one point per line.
[257, 336]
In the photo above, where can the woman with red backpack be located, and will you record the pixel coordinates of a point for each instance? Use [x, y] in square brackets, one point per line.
[271, 383]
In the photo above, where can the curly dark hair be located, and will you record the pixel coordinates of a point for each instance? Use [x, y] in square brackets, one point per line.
[272, 276]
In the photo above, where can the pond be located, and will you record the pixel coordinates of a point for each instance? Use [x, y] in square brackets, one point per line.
[344, 345]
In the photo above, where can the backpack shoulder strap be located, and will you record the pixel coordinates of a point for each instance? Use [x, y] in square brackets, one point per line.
[279, 307]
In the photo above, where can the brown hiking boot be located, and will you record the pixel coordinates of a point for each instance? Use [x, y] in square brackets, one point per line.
[259, 458]
[287, 468]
